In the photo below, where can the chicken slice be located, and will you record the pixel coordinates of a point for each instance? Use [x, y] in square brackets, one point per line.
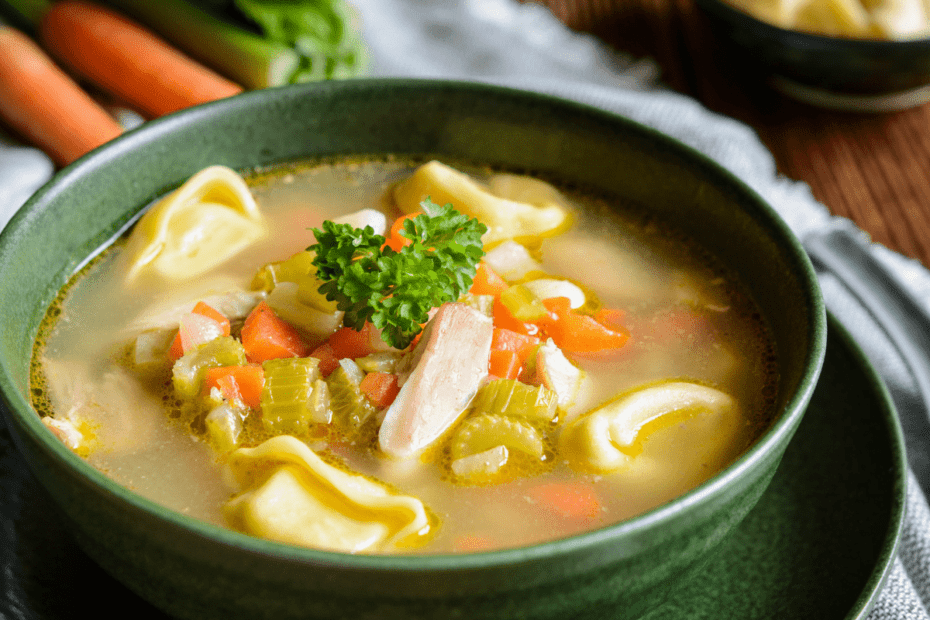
[451, 363]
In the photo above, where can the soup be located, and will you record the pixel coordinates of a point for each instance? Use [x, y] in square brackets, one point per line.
[463, 361]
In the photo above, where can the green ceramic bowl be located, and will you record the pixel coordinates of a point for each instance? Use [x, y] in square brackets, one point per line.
[196, 570]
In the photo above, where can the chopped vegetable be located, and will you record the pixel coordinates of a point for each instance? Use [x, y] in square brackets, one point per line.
[290, 400]
[580, 333]
[395, 240]
[350, 406]
[265, 336]
[328, 360]
[380, 388]
[512, 261]
[569, 500]
[124, 58]
[504, 364]
[483, 432]
[513, 398]
[312, 322]
[487, 281]
[483, 464]
[215, 325]
[224, 426]
[396, 290]
[236, 383]
[299, 41]
[524, 306]
[546, 288]
[188, 372]
[44, 105]
[350, 343]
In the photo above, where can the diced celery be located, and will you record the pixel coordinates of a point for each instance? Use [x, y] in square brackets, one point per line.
[484, 432]
[513, 398]
[289, 270]
[350, 407]
[384, 361]
[522, 303]
[320, 411]
[485, 463]
[287, 396]
[224, 426]
[188, 372]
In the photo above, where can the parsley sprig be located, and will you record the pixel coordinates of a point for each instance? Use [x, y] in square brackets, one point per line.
[395, 290]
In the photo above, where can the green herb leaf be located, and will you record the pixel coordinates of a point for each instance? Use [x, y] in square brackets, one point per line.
[396, 290]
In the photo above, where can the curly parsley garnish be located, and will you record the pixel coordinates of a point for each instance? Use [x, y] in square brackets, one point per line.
[395, 290]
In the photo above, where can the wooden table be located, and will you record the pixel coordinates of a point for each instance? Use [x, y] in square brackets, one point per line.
[871, 168]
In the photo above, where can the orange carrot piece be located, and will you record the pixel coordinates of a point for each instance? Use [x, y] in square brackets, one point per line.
[504, 364]
[203, 309]
[128, 60]
[578, 502]
[347, 342]
[487, 282]
[44, 105]
[610, 317]
[380, 388]
[328, 360]
[265, 336]
[242, 383]
[508, 340]
[504, 319]
[395, 240]
[579, 333]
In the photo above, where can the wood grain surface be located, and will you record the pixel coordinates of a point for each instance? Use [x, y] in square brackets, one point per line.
[871, 168]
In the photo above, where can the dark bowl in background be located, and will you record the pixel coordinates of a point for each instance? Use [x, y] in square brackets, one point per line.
[832, 72]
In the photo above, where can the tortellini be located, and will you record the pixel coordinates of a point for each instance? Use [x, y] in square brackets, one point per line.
[293, 496]
[210, 218]
[530, 208]
[607, 438]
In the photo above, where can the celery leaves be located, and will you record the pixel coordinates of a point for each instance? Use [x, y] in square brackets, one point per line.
[396, 290]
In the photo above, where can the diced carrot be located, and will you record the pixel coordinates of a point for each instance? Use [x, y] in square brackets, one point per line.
[201, 308]
[348, 342]
[380, 388]
[395, 240]
[508, 340]
[265, 336]
[575, 501]
[328, 360]
[43, 104]
[242, 383]
[579, 333]
[505, 319]
[128, 60]
[487, 282]
[504, 364]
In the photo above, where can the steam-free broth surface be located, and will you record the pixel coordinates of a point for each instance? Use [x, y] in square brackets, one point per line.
[688, 324]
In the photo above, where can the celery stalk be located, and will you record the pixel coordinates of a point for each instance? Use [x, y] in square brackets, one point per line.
[243, 56]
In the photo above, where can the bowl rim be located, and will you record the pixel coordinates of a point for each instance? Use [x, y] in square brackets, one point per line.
[807, 39]
[778, 433]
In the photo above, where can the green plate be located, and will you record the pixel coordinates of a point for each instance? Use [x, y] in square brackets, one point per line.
[818, 545]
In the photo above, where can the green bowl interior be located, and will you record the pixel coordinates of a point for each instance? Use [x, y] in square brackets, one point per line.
[88, 202]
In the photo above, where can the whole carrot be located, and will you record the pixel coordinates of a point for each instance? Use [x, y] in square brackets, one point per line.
[127, 60]
[44, 105]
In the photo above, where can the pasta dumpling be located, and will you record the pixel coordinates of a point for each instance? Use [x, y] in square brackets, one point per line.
[210, 218]
[607, 438]
[293, 496]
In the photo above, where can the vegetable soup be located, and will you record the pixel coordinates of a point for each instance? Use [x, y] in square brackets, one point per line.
[387, 356]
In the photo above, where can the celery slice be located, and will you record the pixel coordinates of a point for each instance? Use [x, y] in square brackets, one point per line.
[383, 361]
[287, 397]
[522, 303]
[350, 407]
[288, 270]
[188, 372]
[484, 432]
[224, 426]
[513, 398]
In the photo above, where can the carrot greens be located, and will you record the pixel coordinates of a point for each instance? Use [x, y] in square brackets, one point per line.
[395, 290]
